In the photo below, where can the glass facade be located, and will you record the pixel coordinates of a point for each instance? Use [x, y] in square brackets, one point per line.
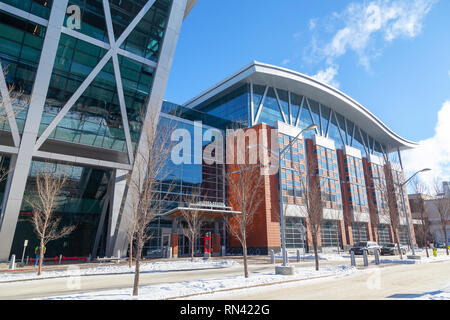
[327, 174]
[303, 112]
[40, 8]
[330, 234]
[183, 179]
[20, 50]
[234, 106]
[83, 105]
[384, 235]
[359, 232]
[295, 238]
[355, 184]
[80, 203]
[293, 178]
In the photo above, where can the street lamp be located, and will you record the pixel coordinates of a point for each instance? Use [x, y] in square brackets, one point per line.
[413, 256]
[283, 231]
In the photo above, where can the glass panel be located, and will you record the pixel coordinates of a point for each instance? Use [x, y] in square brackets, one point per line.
[80, 204]
[75, 60]
[296, 102]
[20, 50]
[334, 133]
[233, 106]
[146, 39]
[95, 118]
[137, 80]
[40, 8]
[93, 22]
[284, 100]
[325, 116]
[315, 113]
[270, 113]
[357, 141]
[258, 93]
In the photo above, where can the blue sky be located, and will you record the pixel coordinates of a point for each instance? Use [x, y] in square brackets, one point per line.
[392, 56]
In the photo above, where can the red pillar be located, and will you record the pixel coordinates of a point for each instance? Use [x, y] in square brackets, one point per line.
[174, 245]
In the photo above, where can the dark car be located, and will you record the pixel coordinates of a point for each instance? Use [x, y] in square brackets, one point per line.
[392, 249]
[362, 246]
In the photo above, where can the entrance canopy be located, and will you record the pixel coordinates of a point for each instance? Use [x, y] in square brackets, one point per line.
[210, 210]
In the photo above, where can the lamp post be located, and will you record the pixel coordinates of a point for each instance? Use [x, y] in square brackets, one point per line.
[413, 256]
[282, 220]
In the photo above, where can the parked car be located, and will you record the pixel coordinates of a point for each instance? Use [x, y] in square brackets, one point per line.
[392, 249]
[440, 245]
[362, 246]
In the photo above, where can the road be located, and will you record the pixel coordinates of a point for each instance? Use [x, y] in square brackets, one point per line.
[65, 286]
[393, 282]
[403, 279]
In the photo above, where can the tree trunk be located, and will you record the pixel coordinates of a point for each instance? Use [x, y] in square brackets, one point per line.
[397, 239]
[192, 248]
[445, 237]
[136, 271]
[130, 259]
[41, 256]
[316, 254]
[426, 249]
[244, 251]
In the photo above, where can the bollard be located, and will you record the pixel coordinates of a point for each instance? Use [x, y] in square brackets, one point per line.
[377, 257]
[298, 255]
[89, 258]
[28, 259]
[272, 257]
[352, 258]
[12, 263]
[60, 259]
[366, 261]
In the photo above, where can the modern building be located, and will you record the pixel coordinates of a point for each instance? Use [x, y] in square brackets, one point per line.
[431, 215]
[86, 70]
[348, 151]
[83, 71]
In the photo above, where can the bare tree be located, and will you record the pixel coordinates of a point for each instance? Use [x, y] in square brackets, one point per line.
[49, 183]
[420, 208]
[146, 201]
[244, 181]
[193, 219]
[313, 206]
[387, 191]
[12, 98]
[442, 205]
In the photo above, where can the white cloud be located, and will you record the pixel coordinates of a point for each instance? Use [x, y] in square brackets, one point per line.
[368, 26]
[328, 76]
[312, 24]
[285, 62]
[433, 153]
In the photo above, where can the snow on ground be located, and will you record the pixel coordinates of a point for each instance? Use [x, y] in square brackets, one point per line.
[423, 259]
[322, 256]
[179, 289]
[161, 266]
[443, 294]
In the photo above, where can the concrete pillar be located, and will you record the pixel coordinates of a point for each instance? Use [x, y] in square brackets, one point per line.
[31, 129]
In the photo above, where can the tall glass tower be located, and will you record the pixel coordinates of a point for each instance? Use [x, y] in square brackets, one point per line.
[77, 75]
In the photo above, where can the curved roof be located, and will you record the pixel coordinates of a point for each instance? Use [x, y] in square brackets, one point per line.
[281, 78]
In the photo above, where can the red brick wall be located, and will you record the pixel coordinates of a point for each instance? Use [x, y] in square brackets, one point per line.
[265, 229]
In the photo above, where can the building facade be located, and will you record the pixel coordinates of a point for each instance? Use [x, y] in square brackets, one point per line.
[84, 75]
[356, 159]
[76, 77]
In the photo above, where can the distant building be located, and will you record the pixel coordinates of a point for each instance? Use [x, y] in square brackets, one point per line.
[432, 215]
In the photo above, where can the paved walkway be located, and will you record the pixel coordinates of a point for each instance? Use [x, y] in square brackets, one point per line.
[393, 282]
